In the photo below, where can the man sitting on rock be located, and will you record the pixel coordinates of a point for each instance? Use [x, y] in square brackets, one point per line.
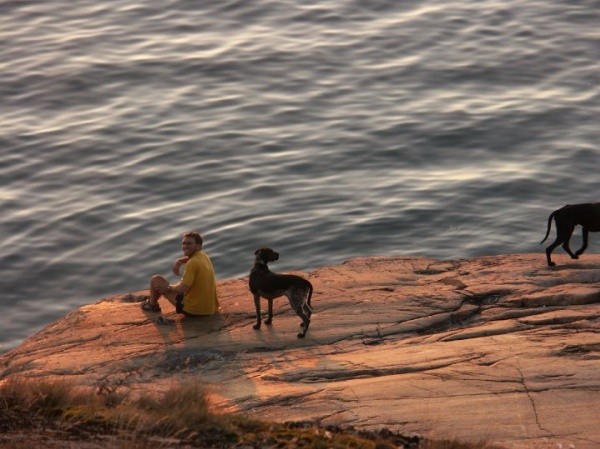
[196, 293]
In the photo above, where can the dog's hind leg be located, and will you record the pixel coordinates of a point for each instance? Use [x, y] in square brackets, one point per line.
[305, 321]
[585, 232]
[306, 304]
[564, 229]
[566, 247]
[298, 303]
[307, 309]
[549, 250]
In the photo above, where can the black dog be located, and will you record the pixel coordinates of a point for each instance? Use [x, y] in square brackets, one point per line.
[263, 282]
[566, 218]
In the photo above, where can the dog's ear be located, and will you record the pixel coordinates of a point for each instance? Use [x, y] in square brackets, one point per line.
[256, 252]
[276, 255]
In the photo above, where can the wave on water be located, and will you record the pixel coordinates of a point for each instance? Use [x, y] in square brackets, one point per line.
[326, 130]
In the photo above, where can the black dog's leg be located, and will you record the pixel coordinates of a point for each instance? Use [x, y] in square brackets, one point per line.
[270, 317]
[568, 250]
[564, 230]
[549, 252]
[584, 233]
[257, 305]
[563, 235]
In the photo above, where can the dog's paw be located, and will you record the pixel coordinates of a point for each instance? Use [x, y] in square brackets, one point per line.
[268, 321]
[301, 335]
[256, 326]
[551, 264]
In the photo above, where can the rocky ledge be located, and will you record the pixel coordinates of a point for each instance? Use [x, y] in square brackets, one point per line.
[501, 349]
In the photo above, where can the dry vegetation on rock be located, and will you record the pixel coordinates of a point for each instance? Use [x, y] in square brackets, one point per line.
[55, 415]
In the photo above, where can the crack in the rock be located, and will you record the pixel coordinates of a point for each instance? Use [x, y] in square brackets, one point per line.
[322, 418]
[337, 375]
[531, 400]
[289, 399]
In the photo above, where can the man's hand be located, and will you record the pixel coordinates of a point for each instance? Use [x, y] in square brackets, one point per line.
[178, 263]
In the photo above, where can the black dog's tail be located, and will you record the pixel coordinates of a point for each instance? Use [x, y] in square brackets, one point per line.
[549, 226]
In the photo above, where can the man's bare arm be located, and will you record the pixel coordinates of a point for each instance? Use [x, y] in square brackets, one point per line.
[178, 263]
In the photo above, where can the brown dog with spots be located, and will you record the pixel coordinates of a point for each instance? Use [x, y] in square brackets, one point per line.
[263, 282]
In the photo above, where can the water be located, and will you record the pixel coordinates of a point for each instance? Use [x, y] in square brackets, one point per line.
[324, 129]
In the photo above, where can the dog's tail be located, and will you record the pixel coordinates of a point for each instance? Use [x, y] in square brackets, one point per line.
[549, 226]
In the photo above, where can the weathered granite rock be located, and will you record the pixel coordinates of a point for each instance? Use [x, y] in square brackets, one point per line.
[502, 349]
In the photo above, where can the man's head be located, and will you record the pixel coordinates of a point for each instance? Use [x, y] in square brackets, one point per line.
[191, 242]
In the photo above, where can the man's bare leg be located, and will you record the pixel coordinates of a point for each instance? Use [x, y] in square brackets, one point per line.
[159, 286]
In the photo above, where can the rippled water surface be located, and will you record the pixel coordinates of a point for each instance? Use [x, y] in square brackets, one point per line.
[324, 129]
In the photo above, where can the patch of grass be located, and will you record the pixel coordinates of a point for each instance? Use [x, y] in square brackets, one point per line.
[58, 412]
[181, 412]
[41, 397]
[453, 444]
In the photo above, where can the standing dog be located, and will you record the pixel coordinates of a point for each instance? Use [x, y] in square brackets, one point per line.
[566, 218]
[263, 282]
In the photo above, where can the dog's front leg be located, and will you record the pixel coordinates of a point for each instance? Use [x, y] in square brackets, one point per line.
[257, 306]
[270, 317]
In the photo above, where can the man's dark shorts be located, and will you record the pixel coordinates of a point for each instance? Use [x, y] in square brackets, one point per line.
[179, 305]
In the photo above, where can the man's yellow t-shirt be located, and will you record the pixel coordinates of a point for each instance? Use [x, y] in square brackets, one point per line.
[199, 275]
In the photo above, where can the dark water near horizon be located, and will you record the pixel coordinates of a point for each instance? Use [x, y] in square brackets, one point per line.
[324, 129]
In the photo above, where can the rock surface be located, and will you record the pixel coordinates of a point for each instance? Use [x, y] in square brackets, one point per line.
[502, 349]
